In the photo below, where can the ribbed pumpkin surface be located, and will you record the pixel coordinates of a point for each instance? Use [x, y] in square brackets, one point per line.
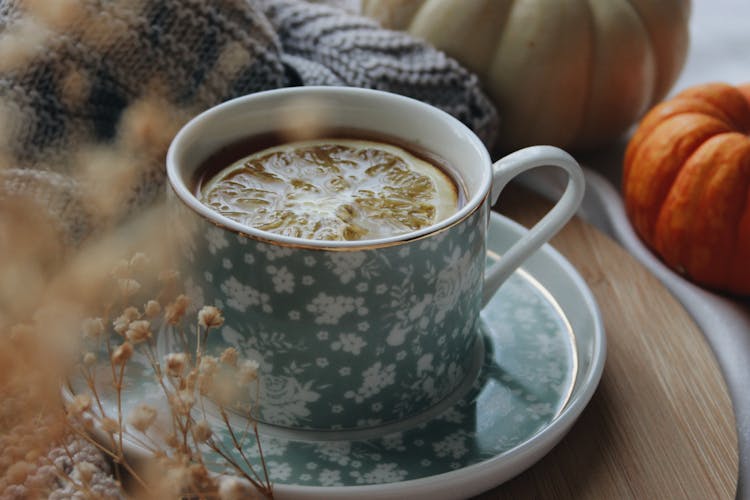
[686, 184]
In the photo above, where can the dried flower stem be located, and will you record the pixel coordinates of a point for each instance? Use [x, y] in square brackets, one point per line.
[88, 376]
[183, 379]
[265, 489]
[257, 481]
[112, 455]
[262, 457]
[119, 411]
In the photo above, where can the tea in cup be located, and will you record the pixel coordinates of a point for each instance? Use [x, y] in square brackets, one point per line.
[331, 188]
[358, 293]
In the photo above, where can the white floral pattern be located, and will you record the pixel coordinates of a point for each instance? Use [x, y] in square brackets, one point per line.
[382, 473]
[287, 399]
[273, 252]
[279, 471]
[283, 280]
[349, 342]
[345, 265]
[375, 379]
[329, 477]
[522, 387]
[328, 310]
[453, 446]
[240, 296]
[393, 319]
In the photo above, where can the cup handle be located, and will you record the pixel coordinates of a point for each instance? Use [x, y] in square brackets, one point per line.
[503, 171]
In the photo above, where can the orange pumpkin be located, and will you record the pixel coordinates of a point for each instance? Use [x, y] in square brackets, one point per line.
[686, 184]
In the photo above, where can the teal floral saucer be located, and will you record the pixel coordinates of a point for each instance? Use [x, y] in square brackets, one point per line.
[540, 361]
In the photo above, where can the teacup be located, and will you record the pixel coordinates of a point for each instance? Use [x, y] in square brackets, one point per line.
[352, 335]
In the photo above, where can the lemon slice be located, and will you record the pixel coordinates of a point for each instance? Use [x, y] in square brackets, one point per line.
[333, 189]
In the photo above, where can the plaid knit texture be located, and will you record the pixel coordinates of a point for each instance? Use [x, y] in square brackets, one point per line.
[82, 67]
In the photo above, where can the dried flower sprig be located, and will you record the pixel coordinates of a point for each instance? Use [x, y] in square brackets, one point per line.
[192, 383]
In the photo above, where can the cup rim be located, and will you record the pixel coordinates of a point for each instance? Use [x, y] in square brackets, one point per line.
[189, 199]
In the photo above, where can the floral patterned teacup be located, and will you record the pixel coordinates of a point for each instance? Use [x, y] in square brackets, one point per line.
[352, 335]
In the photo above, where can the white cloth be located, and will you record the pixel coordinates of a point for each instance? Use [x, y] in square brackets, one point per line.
[719, 52]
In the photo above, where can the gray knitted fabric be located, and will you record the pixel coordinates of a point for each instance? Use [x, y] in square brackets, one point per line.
[117, 51]
[78, 70]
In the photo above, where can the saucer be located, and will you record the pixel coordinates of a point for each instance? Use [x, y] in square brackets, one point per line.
[543, 355]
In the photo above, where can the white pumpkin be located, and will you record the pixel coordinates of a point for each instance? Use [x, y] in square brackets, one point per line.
[572, 73]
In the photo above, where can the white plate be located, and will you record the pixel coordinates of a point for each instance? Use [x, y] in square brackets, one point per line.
[544, 351]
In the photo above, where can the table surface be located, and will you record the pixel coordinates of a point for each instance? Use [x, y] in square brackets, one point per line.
[660, 424]
[719, 42]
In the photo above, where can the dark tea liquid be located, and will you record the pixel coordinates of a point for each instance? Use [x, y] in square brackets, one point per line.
[331, 188]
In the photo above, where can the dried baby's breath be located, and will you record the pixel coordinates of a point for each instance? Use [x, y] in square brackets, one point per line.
[208, 365]
[177, 478]
[176, 363]
[92, 327]
[142, 417]
[75, 88]
[232, 488]
[210, 317]
[186, 377]
[122, 322]
[174, 312]
[128, 286]
[58, 15]
[172, 440]
[169, 276]
[149, 124]
[122, 354]
[138, 331]
[248, 371]
[17, 472]
[109, 425]
[102, 276]
[89, 359]
[229, 356]
[22, 42]
[138, 262]
[182, 403]
[79, 404]
[202, 431]
[152, 308]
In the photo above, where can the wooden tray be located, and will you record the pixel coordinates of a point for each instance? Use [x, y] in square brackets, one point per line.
[661, 423]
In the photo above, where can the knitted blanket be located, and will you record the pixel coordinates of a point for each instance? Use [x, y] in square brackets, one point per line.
[71, 70]
[80, 79]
